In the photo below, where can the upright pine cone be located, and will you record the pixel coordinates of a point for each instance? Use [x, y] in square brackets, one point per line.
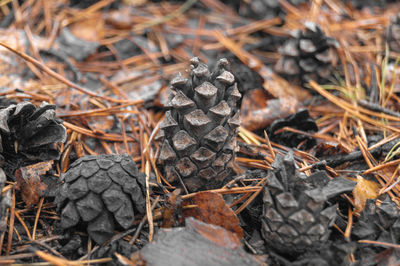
[199, 131]
[309, 55]
[101, 190]
[295, 217]
[393, 35]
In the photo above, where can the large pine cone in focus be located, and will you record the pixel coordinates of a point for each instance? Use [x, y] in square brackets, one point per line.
[309, 55]
[199, 131]
[101, 191]
[295, 215]
[29, 134]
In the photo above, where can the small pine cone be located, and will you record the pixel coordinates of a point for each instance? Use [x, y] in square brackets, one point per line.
[393, 35]
[295, 217]
[101, 190]
[199, 131]
[379, 221]
[29, 134]
[360, 4]
[301, 120]
[263, 9]
[309, 55]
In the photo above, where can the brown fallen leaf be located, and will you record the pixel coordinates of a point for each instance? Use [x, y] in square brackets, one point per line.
[90, 29]
[210, 207]
[172, 213]
[365, 189]
[259, 110]
[30, 183]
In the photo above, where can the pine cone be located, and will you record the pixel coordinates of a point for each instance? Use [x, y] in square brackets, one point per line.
[360, 4]
[100, 190]
[28, 134]
[199, 132]
[379, 221]
[300, 120]
[5, 201]
[263, 9]
[295, 216]
[393, 36]
[309, 55]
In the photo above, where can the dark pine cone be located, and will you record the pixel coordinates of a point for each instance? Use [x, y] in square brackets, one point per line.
[87, 3]
[5, 201]
[260, 9]
[309, 55]
[101, 190]
[380, 222]
[360, 4]
[295, 217]
[29, 134]
[393, 36]
[199, 132]
[301, 120]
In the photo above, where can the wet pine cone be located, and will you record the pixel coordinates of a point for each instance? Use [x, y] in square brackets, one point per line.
[310, 54]
[295, 216]
[393, 35]
[199, 131]
[101, 190]
[28, 134]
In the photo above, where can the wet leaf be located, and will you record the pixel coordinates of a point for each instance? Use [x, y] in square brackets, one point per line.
[211, 208]
[365, 189]
[30, 183]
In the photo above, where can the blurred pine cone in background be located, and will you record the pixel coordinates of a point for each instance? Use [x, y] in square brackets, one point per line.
[310, 54]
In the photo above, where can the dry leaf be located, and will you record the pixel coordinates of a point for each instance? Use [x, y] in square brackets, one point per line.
[90, 29]
[281, 88]
[211, 208]
[30, 183]
[365, 189]
[171, 214]
[258, 110]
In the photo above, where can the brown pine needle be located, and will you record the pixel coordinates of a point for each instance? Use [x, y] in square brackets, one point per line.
[37, 218]
[378, 243]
